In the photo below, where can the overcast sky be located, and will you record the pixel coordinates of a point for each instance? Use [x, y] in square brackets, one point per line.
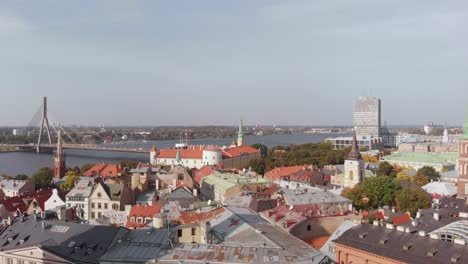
[209, 62]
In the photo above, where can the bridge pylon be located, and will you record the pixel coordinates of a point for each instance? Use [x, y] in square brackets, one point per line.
[44, 125]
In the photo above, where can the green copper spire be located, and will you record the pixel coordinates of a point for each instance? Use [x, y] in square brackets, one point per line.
[240, 134]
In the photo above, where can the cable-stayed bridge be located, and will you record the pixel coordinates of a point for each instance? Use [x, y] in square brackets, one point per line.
[41, 120]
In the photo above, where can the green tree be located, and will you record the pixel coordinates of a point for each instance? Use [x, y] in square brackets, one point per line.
[42, 177]
[85, 167]
[411, 200]
[356, 195]
[263, 149]
[22, 177]
[258, 165]
[380, 190]
[129, 164]
[386, 169]
[70, 180]
[428, 171]
[420, 179]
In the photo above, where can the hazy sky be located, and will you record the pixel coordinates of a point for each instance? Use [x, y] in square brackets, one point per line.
[209, 62]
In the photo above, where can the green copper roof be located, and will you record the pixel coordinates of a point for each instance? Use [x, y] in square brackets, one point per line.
[241, 128]
[426, 157]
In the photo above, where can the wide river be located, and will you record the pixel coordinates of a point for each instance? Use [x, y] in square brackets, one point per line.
[14, 163]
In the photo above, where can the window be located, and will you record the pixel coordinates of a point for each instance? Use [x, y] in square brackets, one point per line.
[93, 216]
[194, 231]
[9, 261]
[105, 206]
[99, 194]
[115, 206]
[139, 220]
[99, 206]
[351, 175]
[331, 249]
[466, 188]
[180, 177]
[69, 205]
[99, 214]
[92, 205]
[20, 261]
[179, 232]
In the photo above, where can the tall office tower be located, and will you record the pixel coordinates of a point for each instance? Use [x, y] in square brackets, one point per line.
[367, 116]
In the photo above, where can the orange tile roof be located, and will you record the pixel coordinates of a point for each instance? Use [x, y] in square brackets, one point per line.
[401, 219]
[238, 151]
[192, 217]
[104, 170]
[111, 170]
[317, 242]
[141, 211]
[278, 173]
[193, 153]
[202, 173]
[95, 170]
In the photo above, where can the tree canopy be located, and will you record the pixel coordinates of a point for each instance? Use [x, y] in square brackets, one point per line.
[380, 190]
[386, 169]
[263, 149]
[258, 165]
[411, 200]
[70, 180]
[42, 177]
[430, 172]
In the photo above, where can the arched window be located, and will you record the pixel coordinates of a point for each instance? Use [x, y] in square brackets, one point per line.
[466, 149]
[466, 170]
[351, 175]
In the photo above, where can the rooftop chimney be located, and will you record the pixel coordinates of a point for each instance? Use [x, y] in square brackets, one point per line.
[422, 233]
[436, 216]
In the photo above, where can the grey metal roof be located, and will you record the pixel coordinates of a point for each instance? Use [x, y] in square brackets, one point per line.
[311, 196]
[79, 243]
[402, 246]
[82, 189]
[13, 185]
[138, 246]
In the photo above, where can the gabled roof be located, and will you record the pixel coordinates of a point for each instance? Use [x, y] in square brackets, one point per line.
[440, 188]
[239, 151]
[193, 217]
[202, 173]
[77, 243]
[141, 211]
[104, 170]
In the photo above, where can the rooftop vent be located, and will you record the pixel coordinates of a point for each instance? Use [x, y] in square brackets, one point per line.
[431, 253]
[436, 216]
[459, 241]
[455, 258]
[407, 247]
[362, 235]
[422, 233]
[383, 241]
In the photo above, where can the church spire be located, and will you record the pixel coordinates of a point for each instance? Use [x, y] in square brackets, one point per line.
[60, 166]
[240, 134]
[354, 154]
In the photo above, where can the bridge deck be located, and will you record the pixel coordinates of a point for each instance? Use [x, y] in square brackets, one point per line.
[81, 147]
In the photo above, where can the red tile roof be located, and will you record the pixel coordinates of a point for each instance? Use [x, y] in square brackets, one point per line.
[401, 219]
[192, 217]
[192, 153]
[104, 170]
[141, 211]
[317, 242]
[239, 151]
[280, 173]
[269, 191]
[202, 173]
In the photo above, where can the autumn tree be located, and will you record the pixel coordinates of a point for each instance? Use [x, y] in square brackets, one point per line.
[356, 195]
[411, 200]
[430, 172]
[70, 179]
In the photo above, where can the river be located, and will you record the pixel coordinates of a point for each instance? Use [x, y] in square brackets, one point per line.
[13, 163]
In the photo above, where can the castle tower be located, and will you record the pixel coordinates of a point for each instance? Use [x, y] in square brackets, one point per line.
[60, 166]
[354, 166]
[178, 159]
[462, 183]
[240, 134]
[153, 155]
[445, 138]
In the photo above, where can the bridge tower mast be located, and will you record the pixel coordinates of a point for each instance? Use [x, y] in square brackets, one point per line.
[46, 121]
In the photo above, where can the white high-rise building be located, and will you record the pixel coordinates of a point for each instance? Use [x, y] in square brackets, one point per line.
[367, 118]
